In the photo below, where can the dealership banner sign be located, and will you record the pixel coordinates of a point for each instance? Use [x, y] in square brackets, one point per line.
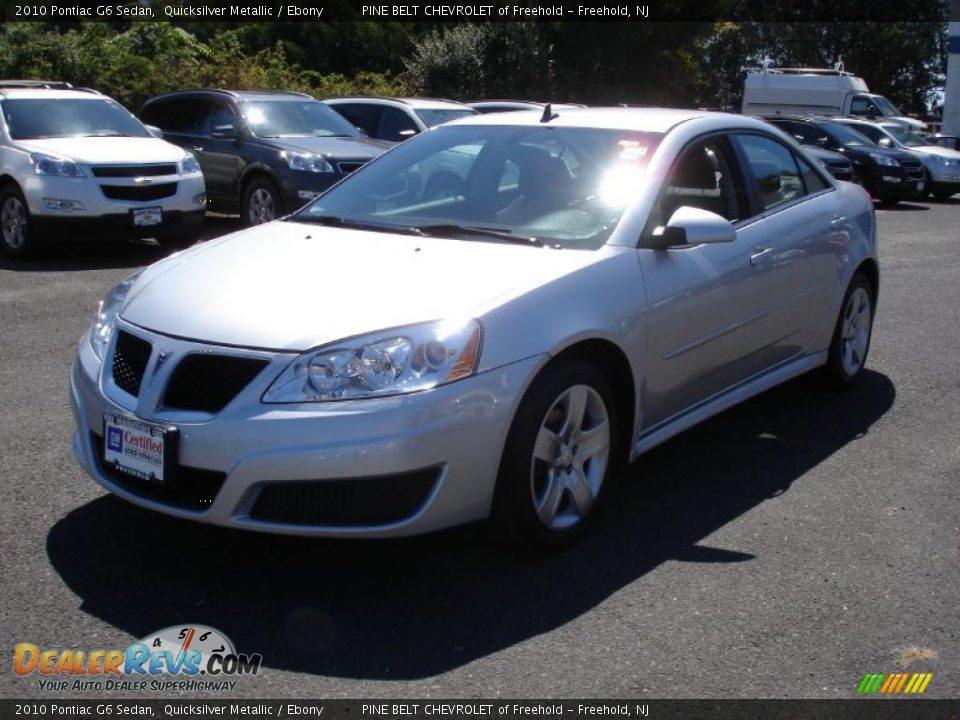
[424, 10]
[423, 708]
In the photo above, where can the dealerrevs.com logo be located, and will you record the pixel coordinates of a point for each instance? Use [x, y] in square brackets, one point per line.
[177, 658]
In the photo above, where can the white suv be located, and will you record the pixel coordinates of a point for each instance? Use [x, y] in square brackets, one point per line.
[73, 160]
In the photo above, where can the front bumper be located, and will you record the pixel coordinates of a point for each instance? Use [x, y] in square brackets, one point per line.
[456, 432]
[101, 214]
[68, 228]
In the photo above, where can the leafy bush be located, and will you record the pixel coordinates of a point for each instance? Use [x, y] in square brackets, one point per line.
[155, 57]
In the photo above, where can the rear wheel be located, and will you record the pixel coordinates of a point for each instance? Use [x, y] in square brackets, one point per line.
[851, 337]
[943, 195]
[16, 233]
[558, 457]
[261, 202]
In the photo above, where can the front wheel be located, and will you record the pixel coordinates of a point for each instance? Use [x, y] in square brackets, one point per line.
[851, 337]
[261, 202]
[559, 453]
[16, 233]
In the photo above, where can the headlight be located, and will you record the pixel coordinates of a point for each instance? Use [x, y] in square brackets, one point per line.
[942, 160]
[884, 160]
[58, 167]
[189, 165]
[107, 312]
[391, 362]
[306, 162]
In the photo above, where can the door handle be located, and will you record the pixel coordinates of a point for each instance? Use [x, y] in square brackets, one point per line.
[197, 148]
[759, 254]
[837, 220]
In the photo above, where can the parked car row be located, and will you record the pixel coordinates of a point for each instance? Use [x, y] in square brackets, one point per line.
[72, 159]
[74, 162]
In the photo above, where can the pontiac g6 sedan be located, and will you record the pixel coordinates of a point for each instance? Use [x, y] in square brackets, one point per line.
[387, 362]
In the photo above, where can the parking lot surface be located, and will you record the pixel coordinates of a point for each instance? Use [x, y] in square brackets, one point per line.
[783, 549]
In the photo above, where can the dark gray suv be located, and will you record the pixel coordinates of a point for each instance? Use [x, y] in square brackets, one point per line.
[263, 154]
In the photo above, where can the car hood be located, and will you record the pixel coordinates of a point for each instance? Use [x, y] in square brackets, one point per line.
[354, 148]
[938, 151]
[292, 286]
[862, 150]
[107, 150]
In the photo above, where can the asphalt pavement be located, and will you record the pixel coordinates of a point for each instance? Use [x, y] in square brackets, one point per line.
[782, 549]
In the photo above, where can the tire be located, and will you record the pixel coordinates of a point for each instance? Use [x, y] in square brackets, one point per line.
[261, 202]
[552, 475]
[17, 238]
[889, 202]
[942, 195]
[850, 344]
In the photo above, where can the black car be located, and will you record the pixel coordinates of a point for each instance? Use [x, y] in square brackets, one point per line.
[833, 162]
[263, 154]
[888, 175]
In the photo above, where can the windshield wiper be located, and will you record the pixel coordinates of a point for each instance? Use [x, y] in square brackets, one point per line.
[335, 221]
[442, 230]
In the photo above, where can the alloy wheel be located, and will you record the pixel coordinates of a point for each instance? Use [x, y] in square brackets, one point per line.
[13, 221]
[570, 457]
[855, 331]
[263, 208]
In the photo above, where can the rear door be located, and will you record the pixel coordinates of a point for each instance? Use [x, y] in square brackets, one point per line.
[801, 222]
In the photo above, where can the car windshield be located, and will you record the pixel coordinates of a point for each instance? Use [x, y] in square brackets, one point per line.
[557, 186]
[32, 119]
[431, 118]
[904, 136]
[845, 135]
[294, 118]
[886, 107]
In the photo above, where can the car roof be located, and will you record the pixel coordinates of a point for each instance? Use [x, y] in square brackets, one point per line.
[658, 120]
[412, 102]
[48, 94]
[236, 95]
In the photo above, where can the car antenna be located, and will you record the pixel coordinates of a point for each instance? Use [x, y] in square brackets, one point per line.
[548, 113]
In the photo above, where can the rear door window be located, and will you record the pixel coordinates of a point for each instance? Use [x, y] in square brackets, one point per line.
[776, 171]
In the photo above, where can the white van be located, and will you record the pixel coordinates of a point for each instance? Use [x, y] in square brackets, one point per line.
[816, 91]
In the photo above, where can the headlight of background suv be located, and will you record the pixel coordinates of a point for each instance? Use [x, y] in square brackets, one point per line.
[391, 362]
[307, 162]
[107, 312]
[58, 167]
[189, 165]
[942, 160]
[884, 160]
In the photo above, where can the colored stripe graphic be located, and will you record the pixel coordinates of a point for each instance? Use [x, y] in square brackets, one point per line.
[903, 679]
[870, 683]
[894, 683]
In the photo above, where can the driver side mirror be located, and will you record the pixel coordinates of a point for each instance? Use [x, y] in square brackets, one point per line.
[155, 131]
[410, 132]
[692, 226]
[885, 142]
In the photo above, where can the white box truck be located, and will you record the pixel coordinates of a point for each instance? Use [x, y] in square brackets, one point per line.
[816, 91]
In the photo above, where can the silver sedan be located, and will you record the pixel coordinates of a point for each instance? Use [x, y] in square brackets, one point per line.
[482, 323]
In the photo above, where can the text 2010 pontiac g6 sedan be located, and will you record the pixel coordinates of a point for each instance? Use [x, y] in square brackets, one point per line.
[388, 361]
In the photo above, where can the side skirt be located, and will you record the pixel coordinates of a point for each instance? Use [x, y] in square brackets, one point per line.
[717, 404]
